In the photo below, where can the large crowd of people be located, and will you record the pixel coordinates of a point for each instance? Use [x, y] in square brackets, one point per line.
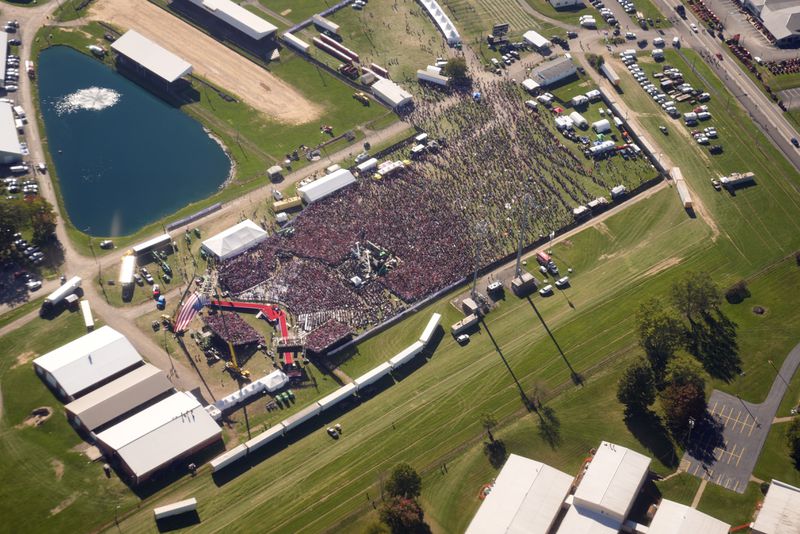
[439, 216]
[229, 327]
[330, 333]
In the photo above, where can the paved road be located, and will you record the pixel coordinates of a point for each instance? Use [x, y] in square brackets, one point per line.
[725, 448]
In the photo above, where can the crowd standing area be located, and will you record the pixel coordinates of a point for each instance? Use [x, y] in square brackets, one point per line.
[433, 215]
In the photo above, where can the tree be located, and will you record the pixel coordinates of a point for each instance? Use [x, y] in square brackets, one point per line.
[403, 516]
[660, 334]
[10, 219]
[684, 397]
[637, 388]
[404, 482]
[43, 220]
[456, 68]
[695, 295]
[377, 528]
[793, 441]
[489, 422]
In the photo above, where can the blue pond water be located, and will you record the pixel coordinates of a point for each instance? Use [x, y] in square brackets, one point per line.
[129, 163]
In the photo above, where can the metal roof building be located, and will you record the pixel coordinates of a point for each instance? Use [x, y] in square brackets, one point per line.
[581, 521]
[170, 429]
[612, 481]
[243, 20]
[536, 40]
[675, 518]
[10, 151]
[327, 185]
[391, 93]
[553, 71]
[780, 513]
[119, 397]
[526, 497]
[235, 240]
[87, 362]
[151, 56]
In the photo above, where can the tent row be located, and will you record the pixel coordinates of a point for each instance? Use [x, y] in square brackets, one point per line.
[329, 401]
[269, 383]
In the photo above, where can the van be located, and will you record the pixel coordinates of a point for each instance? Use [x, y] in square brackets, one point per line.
[546, 290]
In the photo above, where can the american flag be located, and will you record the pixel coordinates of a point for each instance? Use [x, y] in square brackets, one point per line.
[189, 309]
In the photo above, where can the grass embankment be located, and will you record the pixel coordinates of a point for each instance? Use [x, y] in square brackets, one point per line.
[254, 141]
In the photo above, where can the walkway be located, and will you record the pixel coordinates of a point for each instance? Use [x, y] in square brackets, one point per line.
[724, 449]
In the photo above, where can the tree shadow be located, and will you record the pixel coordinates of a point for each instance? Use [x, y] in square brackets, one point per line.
[496, 452]
[549, 426]
[701, 441]
[650, 431]
[713, 342]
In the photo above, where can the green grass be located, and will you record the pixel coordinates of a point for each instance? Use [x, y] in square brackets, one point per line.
[475, 18]
[728, 506]
[266, 16]
[32, 492]
[68, 10]
[649, 10]
[300, 10]
[680, 488]
[775, 461]
[18, 311]
[567, 16]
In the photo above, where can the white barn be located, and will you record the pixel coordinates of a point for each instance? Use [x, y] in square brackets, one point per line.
[243, 20]
[327, 185]
[170, 429]
[88, 362]
[234, 240]
[526, 497]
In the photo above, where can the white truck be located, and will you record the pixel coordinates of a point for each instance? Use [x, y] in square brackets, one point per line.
[55, 298]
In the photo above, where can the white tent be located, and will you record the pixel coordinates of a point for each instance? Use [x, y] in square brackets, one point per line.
[391, 93]
[327, 185]
[536, 40]
[235, 240]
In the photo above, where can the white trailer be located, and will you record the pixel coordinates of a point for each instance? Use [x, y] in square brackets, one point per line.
[433, 323]
[19, 111]
[432, 77]
[372, 376]
[151, 245]
[228, 457]
[325, 24]
[683, 192]
[126, 270]
[296, 43]
[337, 396]
[736, 179]
[180, 507]
[366, 166]
[61, 293]
[88, 320]
[301, 417]
[406, 354]
[265, 437]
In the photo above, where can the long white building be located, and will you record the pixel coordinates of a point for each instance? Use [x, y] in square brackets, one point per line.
[391, 93]
[10, 151]
[235, 15]
[325, 186]
[152, 57]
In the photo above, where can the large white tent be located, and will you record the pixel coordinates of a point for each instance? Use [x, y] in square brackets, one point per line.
[526, 497]
[327, 185]
[87, 362]
[235, 240]
[675, 518]
[156, 436]
[391, 93]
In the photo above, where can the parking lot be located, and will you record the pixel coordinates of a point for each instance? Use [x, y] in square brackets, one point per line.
[724, 449]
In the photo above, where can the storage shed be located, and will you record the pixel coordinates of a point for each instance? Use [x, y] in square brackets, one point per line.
[325, 186]
[235, 240]
[526, 497]
[87, 363]
[118, 397]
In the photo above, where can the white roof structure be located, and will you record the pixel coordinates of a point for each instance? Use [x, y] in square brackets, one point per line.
[243, 20]
[156, 242]
[612, 481]
[10, 151]
[391, 93]
[675, 518]
[235, 240]
[552, 71]
[85, 362]
[529, 85]
[601, 126]
[535, 39]
[296, 42]
[526, 497]
[580, 521]
[151, 56]
[442, 21]
[161, 433]
[780, 513]
[327, 185]
[4, 52]
[120, 396]
[126, 269]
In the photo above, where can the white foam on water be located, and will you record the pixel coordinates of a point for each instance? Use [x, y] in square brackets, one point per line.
[92, 99]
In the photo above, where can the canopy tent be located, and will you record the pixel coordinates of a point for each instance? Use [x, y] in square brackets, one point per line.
[235, 240]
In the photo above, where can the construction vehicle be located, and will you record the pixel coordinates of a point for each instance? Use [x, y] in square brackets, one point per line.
[361, 97]
[232, 366]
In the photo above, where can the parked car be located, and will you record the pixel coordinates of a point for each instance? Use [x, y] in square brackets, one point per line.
[562, 282]
[546, 290]
[463, 339]
[33, 285]
[107, 243]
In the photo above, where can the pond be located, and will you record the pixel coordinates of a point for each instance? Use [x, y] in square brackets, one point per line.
[124, 157]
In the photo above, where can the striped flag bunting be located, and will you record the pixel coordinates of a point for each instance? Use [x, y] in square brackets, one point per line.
[190, 308]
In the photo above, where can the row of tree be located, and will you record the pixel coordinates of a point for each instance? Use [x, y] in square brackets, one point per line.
[16, 215]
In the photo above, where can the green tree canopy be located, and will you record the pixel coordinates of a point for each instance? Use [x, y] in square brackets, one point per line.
[637, 388]
[404, 482]
[695, 295]
[456, 68]
[684, 397]
[793, 441]
[403, 516]
[660, 334]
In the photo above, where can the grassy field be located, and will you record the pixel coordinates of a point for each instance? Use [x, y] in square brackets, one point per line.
[20, 310]
[775, 461]
[680, 488]
[566, 15]
[731, 507]
[399, 36]
[650, 11]
[475, 18]
[297, 11]
[49, 486]
[254, 141]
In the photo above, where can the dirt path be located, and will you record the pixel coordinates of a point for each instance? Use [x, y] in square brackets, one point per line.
[210, 59]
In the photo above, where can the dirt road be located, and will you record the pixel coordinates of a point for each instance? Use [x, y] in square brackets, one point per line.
[210, 59]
